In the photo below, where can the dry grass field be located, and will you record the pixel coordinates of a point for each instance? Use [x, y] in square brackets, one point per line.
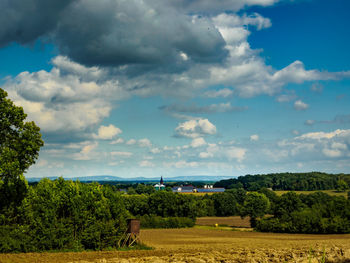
[204, 245]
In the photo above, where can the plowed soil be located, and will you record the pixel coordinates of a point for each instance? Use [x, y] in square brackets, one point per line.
[203, 245]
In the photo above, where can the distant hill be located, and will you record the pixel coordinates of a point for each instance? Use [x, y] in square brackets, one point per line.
[109, 178]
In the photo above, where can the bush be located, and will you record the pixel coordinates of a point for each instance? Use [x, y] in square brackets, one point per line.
[152, 221]
[15, 238]
[64, 215]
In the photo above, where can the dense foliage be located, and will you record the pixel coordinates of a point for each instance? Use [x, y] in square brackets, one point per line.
[58, 215]
[20, 143]
[151, 221]
[313, 213]
[289, 181]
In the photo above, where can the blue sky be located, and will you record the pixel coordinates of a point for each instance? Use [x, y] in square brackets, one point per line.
[151, 88]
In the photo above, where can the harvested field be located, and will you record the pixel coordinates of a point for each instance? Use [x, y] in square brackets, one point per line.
[202, 245]
[233, 221]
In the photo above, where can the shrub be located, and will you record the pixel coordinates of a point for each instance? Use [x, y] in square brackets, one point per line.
[152, 221]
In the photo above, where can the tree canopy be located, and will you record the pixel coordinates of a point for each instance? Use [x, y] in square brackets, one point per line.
[20, 142]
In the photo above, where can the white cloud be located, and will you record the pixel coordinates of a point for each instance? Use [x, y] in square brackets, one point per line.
[107, 132]
[198, 142]
[339, 146]
[316, 87]
[286, 97]
[213, 108]
[224, 151]
[300, 105]
[309, 122]
[218, 93]
[122, 154]
[42, 163]
[183, 56]
[146, 163]
[254, 137]
[131, 142]
[332, 153]
[116, 163]
[324, 135]
[181, 164]
[295, 132]
[206, 155]
[235, 153]
[225, 20]
[209, 6]
[69, 98]
[167, 148]
[195, 128]
[318, 145]
[275, 154]
[86, 153]
[155, 150]
[117, 141]
[145, 143]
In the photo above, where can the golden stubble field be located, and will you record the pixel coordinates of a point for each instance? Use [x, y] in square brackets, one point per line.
[210, 245]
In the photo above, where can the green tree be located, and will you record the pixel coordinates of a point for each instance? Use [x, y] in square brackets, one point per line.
[342, 185]
[288, 203]
[255, 205]
[225, 204]
[20, 142]
[144, 189]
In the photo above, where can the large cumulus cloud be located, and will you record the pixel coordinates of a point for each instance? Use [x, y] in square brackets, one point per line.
[68, 99]
[119, 32]
[135, 32]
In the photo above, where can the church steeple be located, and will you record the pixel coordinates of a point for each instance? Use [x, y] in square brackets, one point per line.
[161, 180]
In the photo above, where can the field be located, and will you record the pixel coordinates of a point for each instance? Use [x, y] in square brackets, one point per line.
[205, 245]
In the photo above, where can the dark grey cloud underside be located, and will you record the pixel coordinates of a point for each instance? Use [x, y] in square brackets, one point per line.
[112, 33]
[129, 32]
[25, 21]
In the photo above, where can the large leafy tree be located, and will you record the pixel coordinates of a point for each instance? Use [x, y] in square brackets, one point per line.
[20, 142]
[255, 205]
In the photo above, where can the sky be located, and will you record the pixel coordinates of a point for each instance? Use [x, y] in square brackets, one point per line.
[173, 88]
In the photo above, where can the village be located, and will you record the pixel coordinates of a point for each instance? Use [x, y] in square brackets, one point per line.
[207, 188]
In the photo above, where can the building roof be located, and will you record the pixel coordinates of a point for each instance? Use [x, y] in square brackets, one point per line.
[190, 188]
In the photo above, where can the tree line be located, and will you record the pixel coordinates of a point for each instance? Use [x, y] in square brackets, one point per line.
[67, 215]
[316, 213]
[312, 181]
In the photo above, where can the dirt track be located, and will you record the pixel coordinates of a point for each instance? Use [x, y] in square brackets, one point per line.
[201, 245]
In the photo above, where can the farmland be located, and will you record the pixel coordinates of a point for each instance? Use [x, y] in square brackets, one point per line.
[204, 245]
